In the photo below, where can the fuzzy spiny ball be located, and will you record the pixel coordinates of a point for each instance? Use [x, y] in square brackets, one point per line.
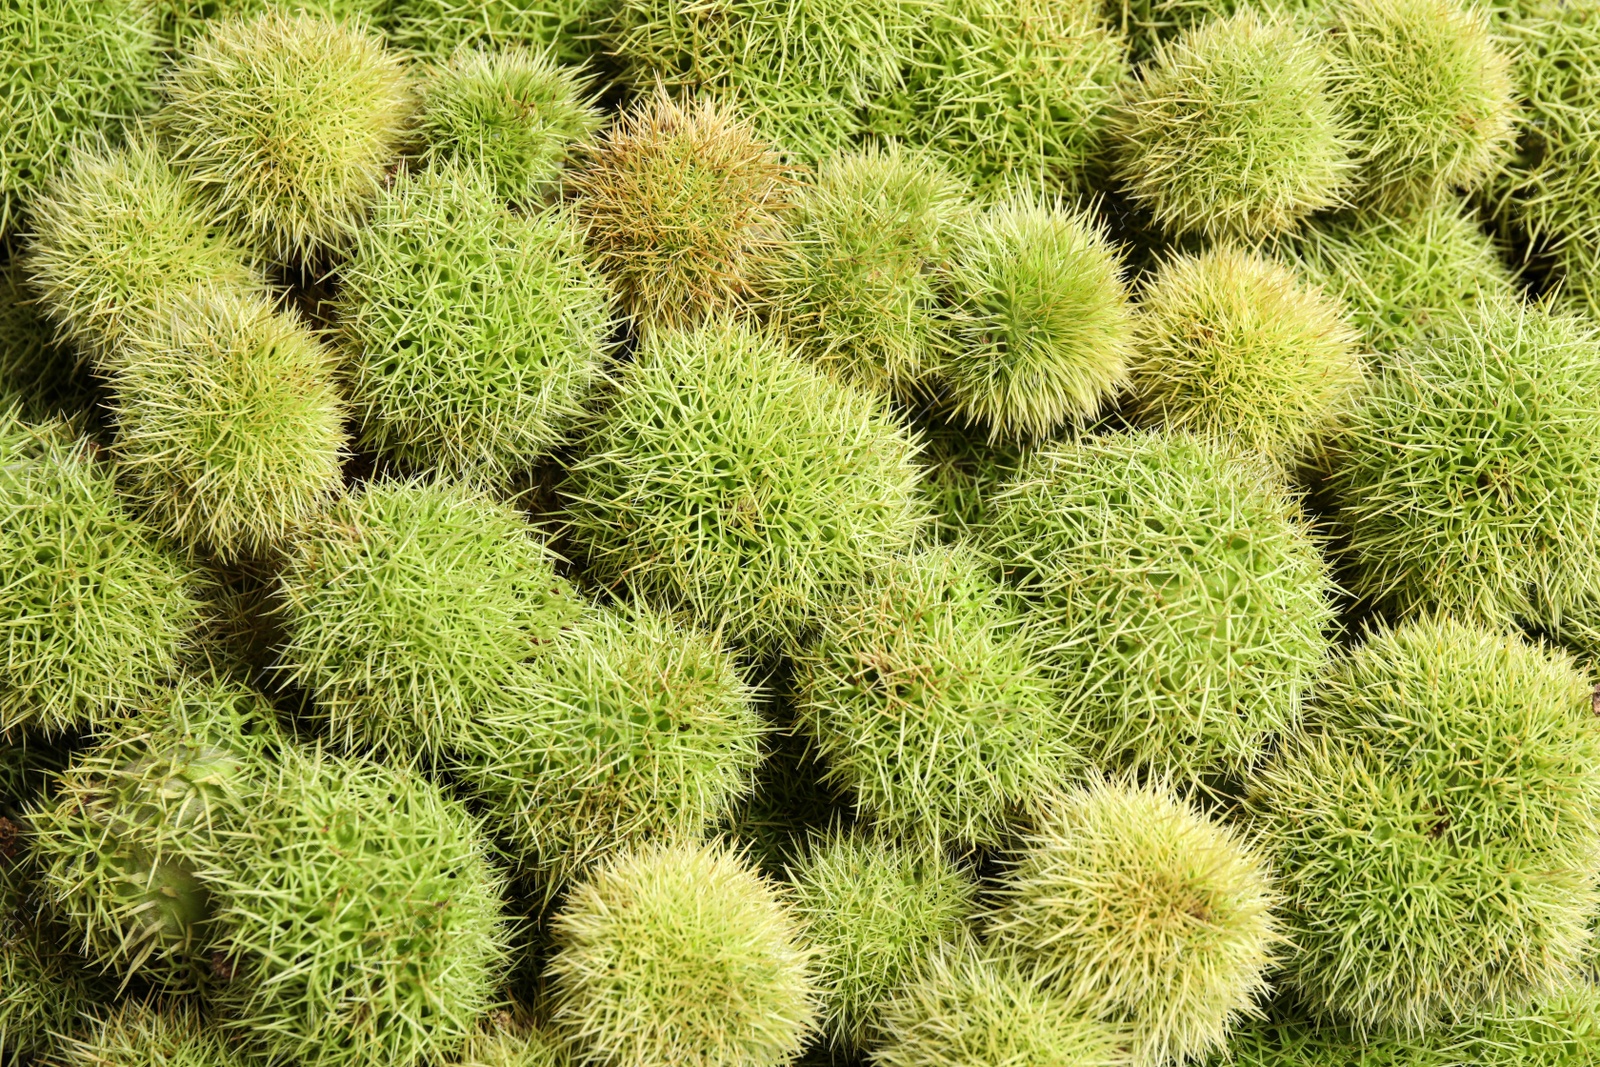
[517, 115]
[437, 28]
[1234, 348]
[930, 659]
[1011, 93]
[857, 290]
[1401, 276]
[289, 124]
[963, 1010]
[408, 609]
[1041, 328]
[149, 1033]
[1437, 828]
[875, 910]
[730, 478]
[472, 334]
[114, 235]
[1137, 909]
[70, 69]
[1185, 599]
[680, 954]
[128, 842]
[365, 918]
[681, 204]
[631, 729]
[1551, 189]
[1428, 94]
[230, 430]
[1468, 480]
[95, 614]
[1233, 131]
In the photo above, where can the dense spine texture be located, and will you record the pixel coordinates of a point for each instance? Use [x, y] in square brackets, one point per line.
[1233, 131]
[409, 608]
[632, 729]
[95, 613]
[681, 954]
[230, 431]
[401, 963]
[1235, 349]
[728, 478]
[1040, 328]
[128, 843]
[682, 205]
[438, 27]
[288, 123]
[1468, 479]
[149, 1033]
[471, 333]
[1436, 827]
[517, 115]
[1137, 909]
[931, 658]
[1183, 597]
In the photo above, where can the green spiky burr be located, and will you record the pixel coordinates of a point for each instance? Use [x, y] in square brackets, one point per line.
[964, 1010]
[230, 427]
[517, 115]
[184, 21]
[128, 841]
[1011, 94]
[931, 658]
[858, 287]
[1134, 907]
[471, 334]
[96, 614]
[1401, 275]
[1435, 828]
[874, 910]
[680, 954]
[436, 28]
[47, 989]
[70, 70]
[410, 607]
[115, 234]
[728, 478]
[364, 917]
[1468, 479]
[1551, 188]
[288, 123]
[632, 729]
[1428, 94]
[1233, 347]
[149, 1033]
[508, 1039]
[1562, 1031]
[1184, 600]
[1233, 130]
[681, 205]
[1041, 327]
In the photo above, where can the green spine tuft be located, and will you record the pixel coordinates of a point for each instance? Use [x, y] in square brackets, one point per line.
[731, 479]
[1233, 131]
[1182, 594]
[148, 1033]
[1135, 908]
[1041, 328]
[410, 607]
[289, 124]
[926, 699]
[1234, 348]
[681, 204]
[1436, 829]
[631, 729]
[875, 910]
[516, 115]
[365, 918]
[436, 28]
[95, 614]
[681, 954]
